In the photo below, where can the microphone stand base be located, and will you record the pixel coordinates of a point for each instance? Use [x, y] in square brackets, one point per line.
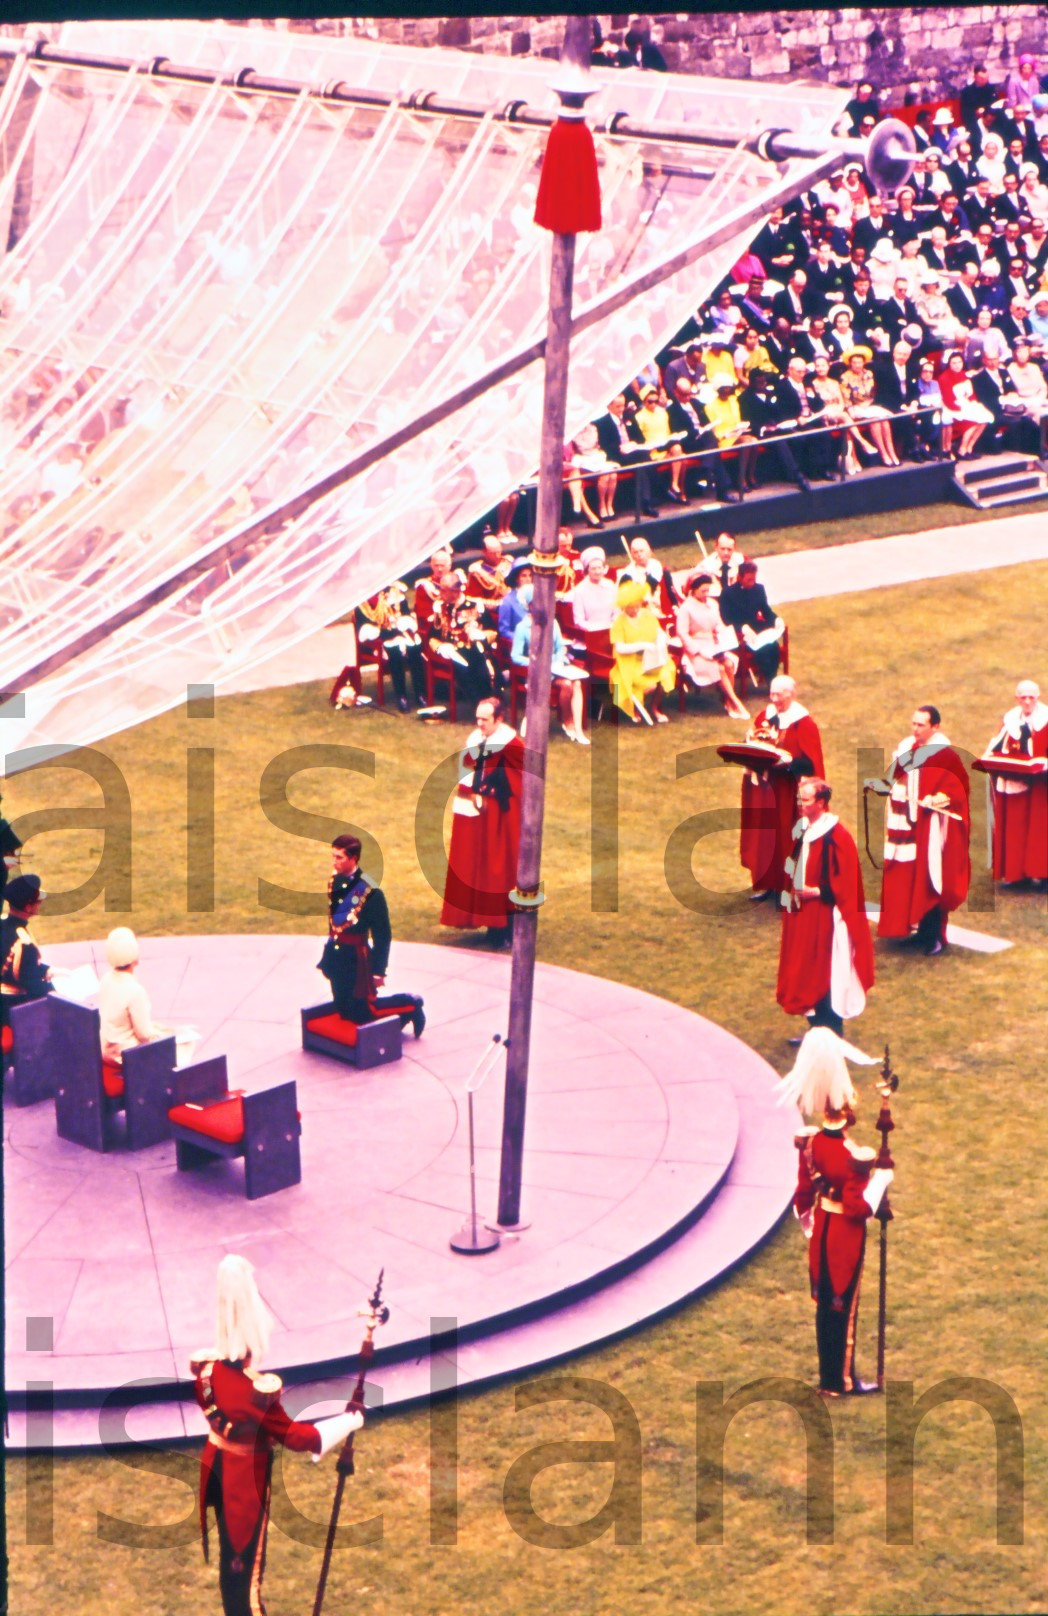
[474, 1241]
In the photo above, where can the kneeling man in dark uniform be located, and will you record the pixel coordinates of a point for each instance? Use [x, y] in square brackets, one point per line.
[356, 953]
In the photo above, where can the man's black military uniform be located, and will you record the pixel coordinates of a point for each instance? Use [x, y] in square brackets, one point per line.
[23, 974]
[357, 950]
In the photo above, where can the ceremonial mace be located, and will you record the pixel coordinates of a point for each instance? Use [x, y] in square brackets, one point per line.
[377, 1313]
[885, 1088]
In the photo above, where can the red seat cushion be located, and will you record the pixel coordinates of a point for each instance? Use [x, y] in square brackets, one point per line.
[7, 1041]
[222, 1119]
[112, 1079]
[333, 1027]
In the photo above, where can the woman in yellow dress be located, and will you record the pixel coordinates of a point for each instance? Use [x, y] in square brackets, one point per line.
[642, 657]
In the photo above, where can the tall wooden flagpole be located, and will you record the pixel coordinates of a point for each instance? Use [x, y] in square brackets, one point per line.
[568, 201]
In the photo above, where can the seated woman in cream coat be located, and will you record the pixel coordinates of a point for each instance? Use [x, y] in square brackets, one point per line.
[123, 1003]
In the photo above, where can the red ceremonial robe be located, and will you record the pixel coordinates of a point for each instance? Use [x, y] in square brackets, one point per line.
[247, 1421]
[832, 929]
[485, 831]
[1020, 807]
[769, 800]
[926, 864]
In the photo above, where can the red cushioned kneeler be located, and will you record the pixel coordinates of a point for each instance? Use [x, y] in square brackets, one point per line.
[343, 1032]
[372, 1043]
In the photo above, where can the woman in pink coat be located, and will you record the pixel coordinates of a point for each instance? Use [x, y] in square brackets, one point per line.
[707, 659]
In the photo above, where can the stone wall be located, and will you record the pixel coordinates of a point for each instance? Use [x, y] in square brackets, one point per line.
[930, 45]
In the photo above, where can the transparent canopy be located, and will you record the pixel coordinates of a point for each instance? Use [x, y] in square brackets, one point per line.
[212, 299]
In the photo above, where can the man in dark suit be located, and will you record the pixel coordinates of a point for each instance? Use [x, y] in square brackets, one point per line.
[863, 305]
[794, 303]
[779, 343]
[978, 205]
[1008, 207]
[774, 244]
[976, 96]
[621, 441]
[963, 297]
[795, 406]
[950, 215]
[989, 384]
[687, 416]
[868, 231]
[934, 251]
[898, 310]
[744, 606]
[824, 282]
[1014, 324]
[1034, 245]
[895, 389]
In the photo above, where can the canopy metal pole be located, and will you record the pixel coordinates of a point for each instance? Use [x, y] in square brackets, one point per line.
[528, 896]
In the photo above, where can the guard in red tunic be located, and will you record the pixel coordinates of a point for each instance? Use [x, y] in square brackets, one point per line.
[1020, 807]
[838, 1190]
[243, 1409]
[427, 590]
[826, 951]
[485, 827]
[486, 578]
[926, 865]
[769, 799]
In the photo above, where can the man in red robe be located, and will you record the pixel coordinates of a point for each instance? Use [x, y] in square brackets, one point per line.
[769, 797]
[485, 827]
[1020, 807]
[826, 951]
[926, 864]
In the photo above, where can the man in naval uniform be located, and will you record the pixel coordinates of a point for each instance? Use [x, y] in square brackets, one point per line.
[356, 953]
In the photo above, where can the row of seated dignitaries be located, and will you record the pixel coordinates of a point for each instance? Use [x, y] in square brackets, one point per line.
[475, 626]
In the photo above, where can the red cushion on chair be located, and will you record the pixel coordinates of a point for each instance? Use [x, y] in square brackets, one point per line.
[333, 1027]
[222, 1120]
[7, 1040]
[112, 1079]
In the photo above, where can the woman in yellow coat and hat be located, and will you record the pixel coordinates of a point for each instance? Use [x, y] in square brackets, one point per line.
[642, 656]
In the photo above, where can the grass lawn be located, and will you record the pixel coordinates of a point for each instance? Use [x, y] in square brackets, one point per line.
[966, 1266]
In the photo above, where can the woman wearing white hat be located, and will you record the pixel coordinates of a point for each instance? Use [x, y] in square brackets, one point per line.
[990, 163]
[123, 1003]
